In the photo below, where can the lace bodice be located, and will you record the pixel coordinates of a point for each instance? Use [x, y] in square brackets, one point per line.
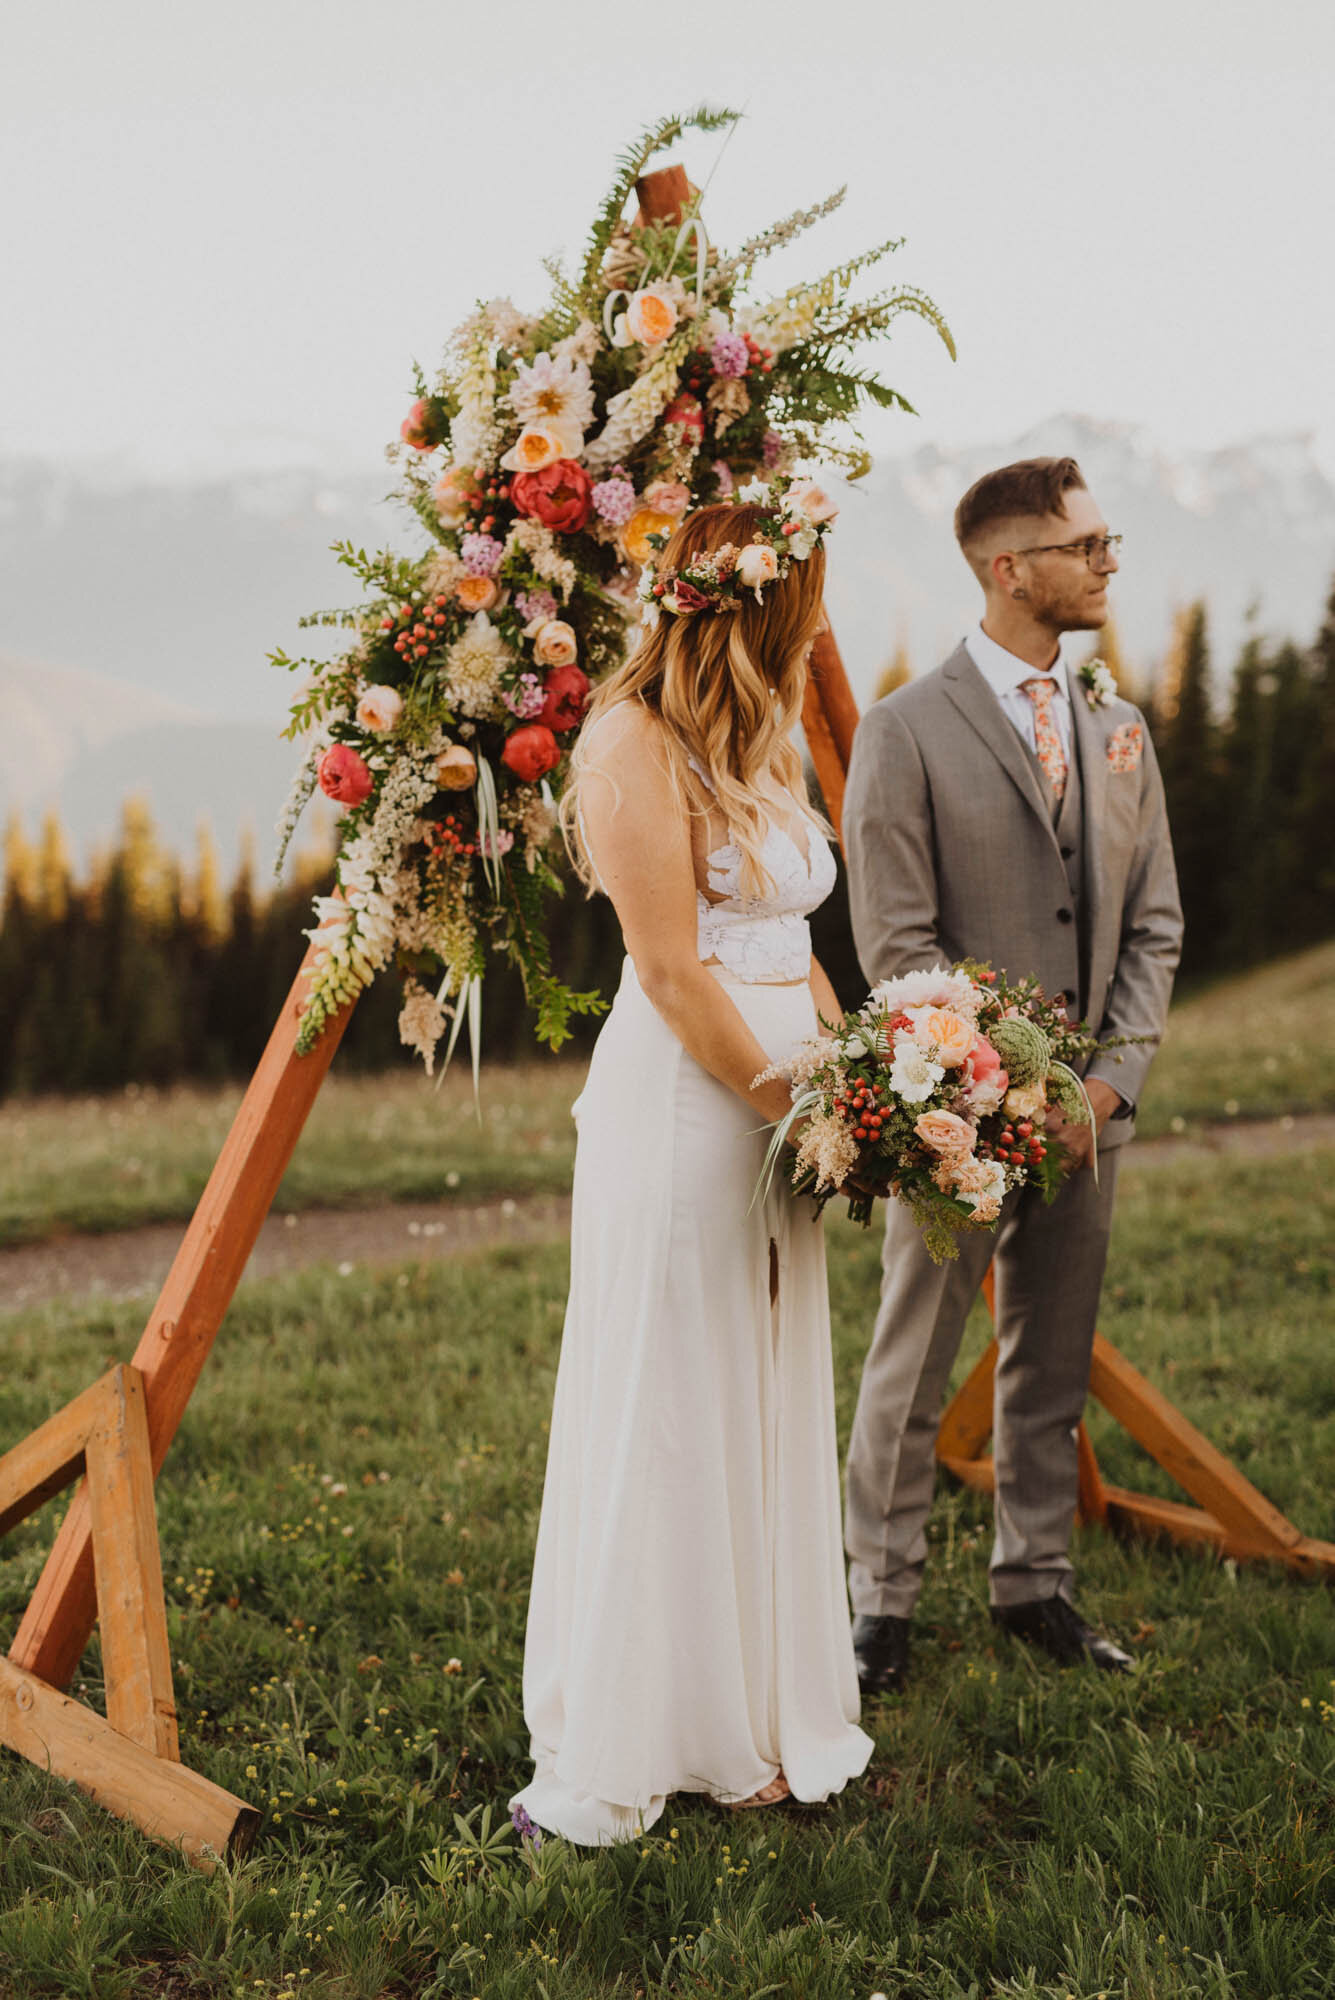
[765, 939]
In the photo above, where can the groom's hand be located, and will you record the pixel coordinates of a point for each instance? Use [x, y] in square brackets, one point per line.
[1078, 1140]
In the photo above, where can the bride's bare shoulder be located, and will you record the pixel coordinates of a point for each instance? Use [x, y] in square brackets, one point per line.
[627, 736]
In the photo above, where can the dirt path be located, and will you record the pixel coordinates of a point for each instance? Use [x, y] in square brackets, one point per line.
[133, 1262]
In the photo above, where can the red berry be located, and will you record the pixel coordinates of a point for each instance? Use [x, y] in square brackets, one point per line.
[1025, 1128]
[860, 1132]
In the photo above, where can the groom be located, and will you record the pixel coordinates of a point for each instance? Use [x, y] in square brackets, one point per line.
[1001, 809]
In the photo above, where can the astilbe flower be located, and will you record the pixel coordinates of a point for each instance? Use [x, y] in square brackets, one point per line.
[829, 1147]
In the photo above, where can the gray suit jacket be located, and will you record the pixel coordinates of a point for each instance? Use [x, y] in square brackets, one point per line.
[952, 854]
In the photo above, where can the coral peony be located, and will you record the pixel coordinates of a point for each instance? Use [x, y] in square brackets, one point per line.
[532, 751]
[555, 644]
[565, 691]
[379, 708]
[560, 496]
[985, 1065]
[344, 776]
[415, 428]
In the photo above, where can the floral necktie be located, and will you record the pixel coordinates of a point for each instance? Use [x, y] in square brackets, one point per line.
[1042, 690]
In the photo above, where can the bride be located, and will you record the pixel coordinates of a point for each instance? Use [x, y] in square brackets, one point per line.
[688, 1627]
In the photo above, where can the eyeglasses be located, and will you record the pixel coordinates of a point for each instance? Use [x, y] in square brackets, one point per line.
[1101, 546]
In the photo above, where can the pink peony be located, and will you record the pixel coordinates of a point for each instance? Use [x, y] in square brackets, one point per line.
[668, 496]
[559, 496]
[532, 751]
[985, 1065]
[344, 776]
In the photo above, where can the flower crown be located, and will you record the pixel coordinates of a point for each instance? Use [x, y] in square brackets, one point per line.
[796, 514]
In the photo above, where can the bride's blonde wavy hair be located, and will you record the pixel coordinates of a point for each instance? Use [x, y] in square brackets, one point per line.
[727, 688]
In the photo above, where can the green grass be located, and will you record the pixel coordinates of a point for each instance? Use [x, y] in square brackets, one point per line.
[1261, 1045]
[1020, 1832]
[143, 1155]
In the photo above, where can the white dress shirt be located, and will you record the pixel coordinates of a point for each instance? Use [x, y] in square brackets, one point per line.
[1003, 673]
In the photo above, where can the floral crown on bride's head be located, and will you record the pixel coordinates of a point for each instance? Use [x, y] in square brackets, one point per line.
[796, 515]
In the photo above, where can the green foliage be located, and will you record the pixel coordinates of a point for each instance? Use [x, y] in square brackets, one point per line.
[630, 165]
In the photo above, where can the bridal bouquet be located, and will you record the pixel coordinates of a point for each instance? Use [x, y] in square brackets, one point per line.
[544, 463]
[938, 1084]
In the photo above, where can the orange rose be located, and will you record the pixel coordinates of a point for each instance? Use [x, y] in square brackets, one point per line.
[555, 644]
[456, 768]
[950, 1036]
[476, 593]
[651, 315]
[645, 521]
[536, 449]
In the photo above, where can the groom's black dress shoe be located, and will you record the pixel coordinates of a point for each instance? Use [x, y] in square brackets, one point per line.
[881, 1649]
[1056, 1627]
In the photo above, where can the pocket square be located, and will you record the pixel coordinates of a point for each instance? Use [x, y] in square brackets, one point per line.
[1126, 747]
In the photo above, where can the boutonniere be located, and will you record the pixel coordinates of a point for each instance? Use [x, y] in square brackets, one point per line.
[1096, 677]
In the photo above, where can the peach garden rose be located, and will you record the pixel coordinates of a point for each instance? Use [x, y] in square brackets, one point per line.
[950, 1036]
[945, 1133]
[476, 593]
[379, 708]
[555, 644]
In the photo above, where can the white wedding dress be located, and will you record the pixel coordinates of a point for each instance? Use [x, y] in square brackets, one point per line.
[688, 1627]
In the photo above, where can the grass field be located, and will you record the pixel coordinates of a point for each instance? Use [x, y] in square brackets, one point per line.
[1259, 1046]
[347, 1568]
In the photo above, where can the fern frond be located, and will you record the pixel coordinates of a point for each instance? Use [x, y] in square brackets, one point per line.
[632, 164]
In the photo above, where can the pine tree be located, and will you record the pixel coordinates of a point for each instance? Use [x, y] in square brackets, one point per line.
[1186, 739]
[1315, 792]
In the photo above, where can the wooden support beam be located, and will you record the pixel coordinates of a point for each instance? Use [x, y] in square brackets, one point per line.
[1252, 1524]
[127, 1564]
[185, 1321]
[167, 1800]
[48, 1458]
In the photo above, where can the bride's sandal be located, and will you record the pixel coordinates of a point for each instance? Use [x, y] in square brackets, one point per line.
[775, 1793]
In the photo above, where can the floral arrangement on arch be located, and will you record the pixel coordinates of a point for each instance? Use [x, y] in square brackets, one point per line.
[547, 461]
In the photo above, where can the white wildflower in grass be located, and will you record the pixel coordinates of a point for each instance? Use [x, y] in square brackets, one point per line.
[913, 1075]
[421, 1022]
[473, 669]
[828, 1147]
[539, 544]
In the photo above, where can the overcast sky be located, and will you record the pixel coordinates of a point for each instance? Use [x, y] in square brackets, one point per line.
[226, 232]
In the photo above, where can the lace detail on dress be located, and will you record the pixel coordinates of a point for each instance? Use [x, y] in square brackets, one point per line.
[764, 938]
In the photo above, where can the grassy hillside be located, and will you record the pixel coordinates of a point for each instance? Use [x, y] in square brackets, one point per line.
[347, 1568]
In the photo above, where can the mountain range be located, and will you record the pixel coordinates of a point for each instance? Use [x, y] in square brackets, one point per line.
[135, 617]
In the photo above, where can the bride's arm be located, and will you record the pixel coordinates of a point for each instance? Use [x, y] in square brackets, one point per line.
[638, 834]
[824, 995]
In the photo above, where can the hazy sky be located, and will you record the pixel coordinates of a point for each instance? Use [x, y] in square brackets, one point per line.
[226, 232]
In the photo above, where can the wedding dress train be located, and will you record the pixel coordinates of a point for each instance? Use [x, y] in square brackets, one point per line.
[688, 1626]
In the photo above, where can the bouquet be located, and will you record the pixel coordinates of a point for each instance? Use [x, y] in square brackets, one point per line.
[939, 1085]
[545, 462]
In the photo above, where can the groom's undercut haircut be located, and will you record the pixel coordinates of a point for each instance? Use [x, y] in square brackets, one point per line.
[1027, 490]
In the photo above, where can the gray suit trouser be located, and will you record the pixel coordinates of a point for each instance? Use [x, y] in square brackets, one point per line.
[1049, 1268]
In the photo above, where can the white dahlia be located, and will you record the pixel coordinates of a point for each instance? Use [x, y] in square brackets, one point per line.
[473, 668]
[554, 393]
